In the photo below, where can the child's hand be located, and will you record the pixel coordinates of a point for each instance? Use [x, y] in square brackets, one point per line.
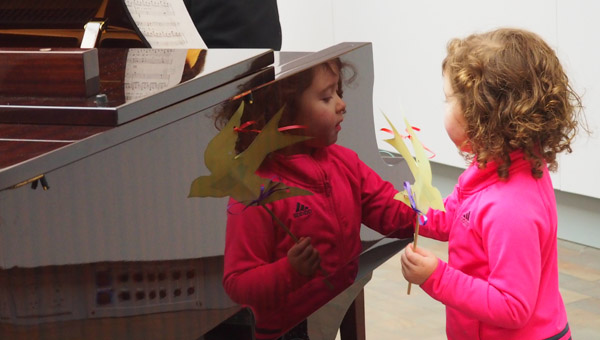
[417, 265]
[303, 257]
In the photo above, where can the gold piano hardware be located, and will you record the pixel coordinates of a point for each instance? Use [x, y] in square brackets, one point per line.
[34, 180]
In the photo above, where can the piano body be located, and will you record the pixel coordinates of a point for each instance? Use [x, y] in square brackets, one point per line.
[98, 239]
[61, 23]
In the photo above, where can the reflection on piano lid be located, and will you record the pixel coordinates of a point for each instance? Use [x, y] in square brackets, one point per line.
[171, 290]
[148, 71]
[115, 249]
[61, 23]
[135, 82]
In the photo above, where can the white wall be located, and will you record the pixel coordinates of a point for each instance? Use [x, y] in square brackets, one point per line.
[409, 39]
[577, 29]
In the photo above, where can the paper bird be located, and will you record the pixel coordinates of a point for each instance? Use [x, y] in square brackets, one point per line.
[235, 175]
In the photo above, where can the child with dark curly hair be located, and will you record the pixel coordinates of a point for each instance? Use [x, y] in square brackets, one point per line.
[282, 280]
[510, 110]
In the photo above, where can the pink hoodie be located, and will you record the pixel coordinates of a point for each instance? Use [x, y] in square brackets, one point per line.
[501, 279]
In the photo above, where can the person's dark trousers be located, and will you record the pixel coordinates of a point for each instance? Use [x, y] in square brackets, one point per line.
[237, 23]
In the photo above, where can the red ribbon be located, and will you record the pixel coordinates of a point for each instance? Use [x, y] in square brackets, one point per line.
[243, 127]
[408, 137]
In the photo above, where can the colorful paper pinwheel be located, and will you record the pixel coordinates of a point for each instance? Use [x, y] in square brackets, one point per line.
[421, 195]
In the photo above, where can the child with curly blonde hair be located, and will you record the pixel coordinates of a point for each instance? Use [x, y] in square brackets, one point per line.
[510, 110]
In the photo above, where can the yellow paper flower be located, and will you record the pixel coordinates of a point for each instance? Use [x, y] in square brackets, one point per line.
[425, 194]
[235, 175]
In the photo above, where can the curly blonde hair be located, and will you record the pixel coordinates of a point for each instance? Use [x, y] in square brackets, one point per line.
[514, 94]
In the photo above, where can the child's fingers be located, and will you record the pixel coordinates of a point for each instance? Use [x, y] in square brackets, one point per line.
[417, 264]
[304, 251]
[412, 257]
[405, 259]
[303, 242]
[407, 267]
[308, 250]
[310, 255]
[423, 252]
[299, 248]
[314, 259]
[418, 255]
[303, 257]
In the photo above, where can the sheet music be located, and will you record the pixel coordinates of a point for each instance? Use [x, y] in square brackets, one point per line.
[151, 70]
[165, 23]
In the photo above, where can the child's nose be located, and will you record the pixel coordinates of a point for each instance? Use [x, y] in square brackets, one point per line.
[341, 106]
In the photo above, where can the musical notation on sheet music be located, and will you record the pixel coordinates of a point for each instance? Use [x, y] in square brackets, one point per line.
[149, 71]
[165, 23]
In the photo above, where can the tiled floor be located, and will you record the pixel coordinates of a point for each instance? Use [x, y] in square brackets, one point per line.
[392, 314]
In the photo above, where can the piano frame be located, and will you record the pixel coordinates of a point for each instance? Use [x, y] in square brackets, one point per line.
[110, 186]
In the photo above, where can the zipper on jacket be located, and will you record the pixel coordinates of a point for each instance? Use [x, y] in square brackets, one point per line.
[327, 185]
[327, 189]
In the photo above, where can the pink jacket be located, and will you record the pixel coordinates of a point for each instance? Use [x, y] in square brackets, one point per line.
[501, 279]
[346, 193]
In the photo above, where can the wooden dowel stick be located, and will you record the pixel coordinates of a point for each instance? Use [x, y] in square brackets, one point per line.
[281, 224]
[415, 246]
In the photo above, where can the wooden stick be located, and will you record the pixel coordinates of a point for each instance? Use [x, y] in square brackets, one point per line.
[281, 224]
[289, 232]
[415, 246]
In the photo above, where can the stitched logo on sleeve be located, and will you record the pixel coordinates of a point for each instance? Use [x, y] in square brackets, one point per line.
[465, 218]
[302, 210]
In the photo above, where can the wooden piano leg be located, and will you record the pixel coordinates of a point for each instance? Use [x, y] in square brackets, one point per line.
[353, 324]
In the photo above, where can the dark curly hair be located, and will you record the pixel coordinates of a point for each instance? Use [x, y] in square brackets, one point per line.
[263, 102]
[514, 94]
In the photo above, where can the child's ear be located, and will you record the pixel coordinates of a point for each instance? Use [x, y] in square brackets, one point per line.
[466, 146]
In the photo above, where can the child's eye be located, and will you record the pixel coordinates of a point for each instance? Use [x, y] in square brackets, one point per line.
[327, 99]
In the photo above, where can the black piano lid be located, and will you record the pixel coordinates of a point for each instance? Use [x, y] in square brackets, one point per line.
[222, 70]
[114, 107]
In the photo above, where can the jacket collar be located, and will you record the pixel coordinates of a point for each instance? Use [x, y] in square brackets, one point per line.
[474, 179]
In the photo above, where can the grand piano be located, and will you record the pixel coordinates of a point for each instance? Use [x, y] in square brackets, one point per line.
[98, 239]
